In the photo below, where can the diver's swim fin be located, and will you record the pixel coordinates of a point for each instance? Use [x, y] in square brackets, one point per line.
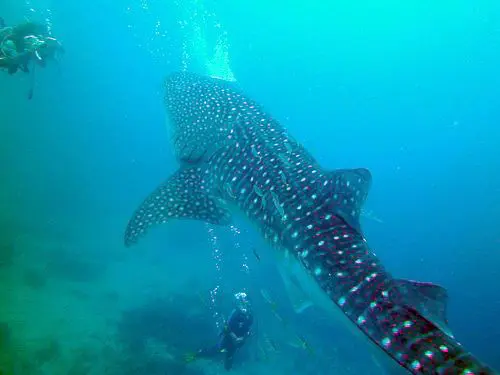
[190, 357]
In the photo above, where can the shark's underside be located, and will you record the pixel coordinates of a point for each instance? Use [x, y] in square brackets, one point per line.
[233, 154]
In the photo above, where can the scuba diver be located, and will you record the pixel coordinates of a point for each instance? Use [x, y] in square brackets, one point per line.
[234, 335]
[44, 48]
[25, 43]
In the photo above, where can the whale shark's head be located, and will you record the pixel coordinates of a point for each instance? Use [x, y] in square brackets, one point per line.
[201, 114]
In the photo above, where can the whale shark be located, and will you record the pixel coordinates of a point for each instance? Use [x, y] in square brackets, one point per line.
[236, 159]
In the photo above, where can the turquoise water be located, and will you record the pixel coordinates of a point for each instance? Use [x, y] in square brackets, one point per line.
[409, 90]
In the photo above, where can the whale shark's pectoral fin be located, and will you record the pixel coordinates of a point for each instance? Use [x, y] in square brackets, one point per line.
[430, 300]
[182, 196]
[349, 189]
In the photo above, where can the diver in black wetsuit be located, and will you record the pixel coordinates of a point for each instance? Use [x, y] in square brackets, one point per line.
[236, 330]
[28, 41]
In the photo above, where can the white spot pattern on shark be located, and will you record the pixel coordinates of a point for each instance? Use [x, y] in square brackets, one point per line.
[232, 151]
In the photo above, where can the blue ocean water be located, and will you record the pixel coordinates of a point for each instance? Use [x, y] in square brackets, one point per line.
[409, 90]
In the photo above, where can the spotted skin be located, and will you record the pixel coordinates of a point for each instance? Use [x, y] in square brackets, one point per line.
[182, 196]
[233, 154]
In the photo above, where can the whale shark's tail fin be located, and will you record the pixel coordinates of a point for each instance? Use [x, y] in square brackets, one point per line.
[183, 196]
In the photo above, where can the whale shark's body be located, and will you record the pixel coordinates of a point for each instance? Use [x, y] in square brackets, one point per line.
[234, 155]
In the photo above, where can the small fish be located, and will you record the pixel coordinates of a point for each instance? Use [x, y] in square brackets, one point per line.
[270, 343]
[255, 152]
[203, 300]
[305, 345]
[285, 160]
[283, 178]
[258, 191]
[268, 299]
[257, 256]
[264, 293]
[263, 351]
[229, 190]
[278, 206]
[273, 305]
[369, 214]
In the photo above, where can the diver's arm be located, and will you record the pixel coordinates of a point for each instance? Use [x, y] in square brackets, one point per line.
[226, 324]
[237, 338]
[5, 32]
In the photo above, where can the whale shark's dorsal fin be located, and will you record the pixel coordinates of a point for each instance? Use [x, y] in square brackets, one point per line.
[429, 299]
[182, 196]
[349, 192]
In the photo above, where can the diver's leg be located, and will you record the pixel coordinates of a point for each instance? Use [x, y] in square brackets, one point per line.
[208, 352]
[228, 362]
[231, 348]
